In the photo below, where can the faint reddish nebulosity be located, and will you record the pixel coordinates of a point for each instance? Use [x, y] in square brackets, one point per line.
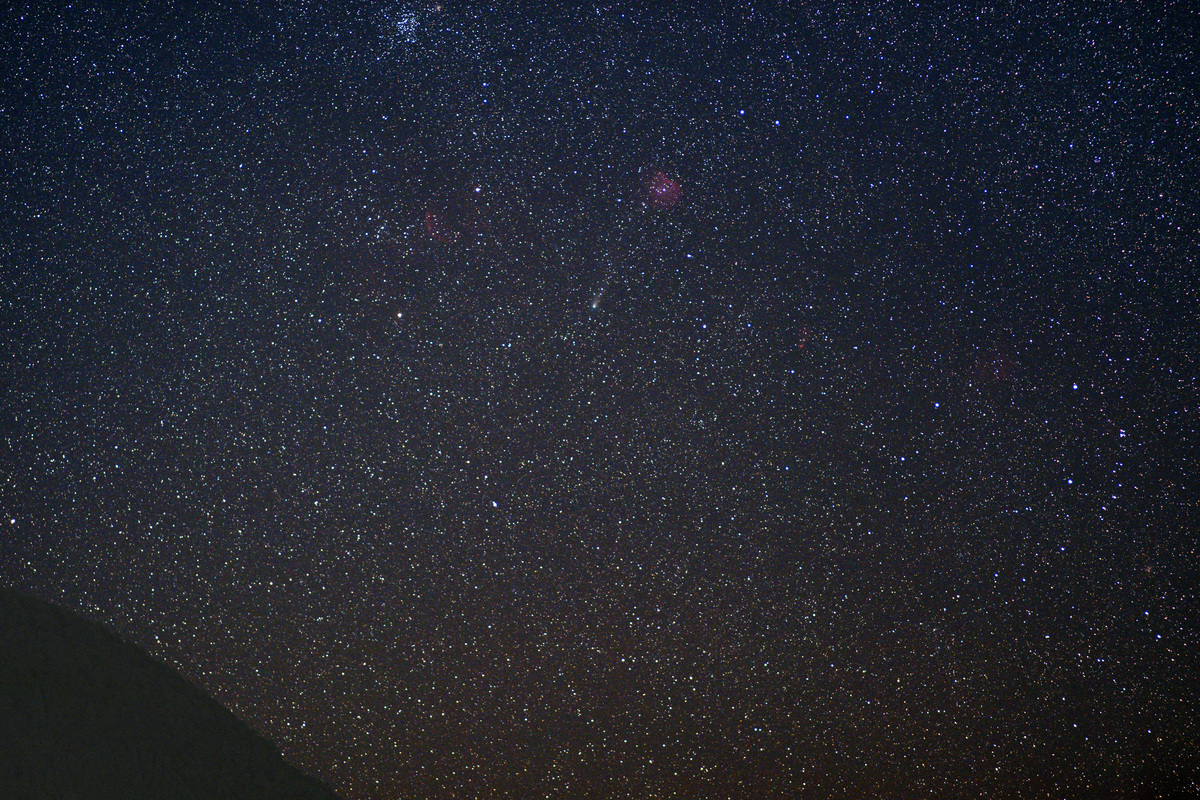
[662, 191]
[448, 218]
[996, 367]
[436, 225]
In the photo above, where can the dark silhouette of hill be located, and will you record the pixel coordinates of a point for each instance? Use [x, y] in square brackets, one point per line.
[85, 714]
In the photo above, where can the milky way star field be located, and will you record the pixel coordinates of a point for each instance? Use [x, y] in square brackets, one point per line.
[745, 400]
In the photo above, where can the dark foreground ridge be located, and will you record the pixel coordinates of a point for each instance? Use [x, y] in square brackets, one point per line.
[85, 714]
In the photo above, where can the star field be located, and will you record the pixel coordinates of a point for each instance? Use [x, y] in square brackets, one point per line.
[786, 400]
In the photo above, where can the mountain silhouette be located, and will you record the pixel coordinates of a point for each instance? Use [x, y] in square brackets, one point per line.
[87, 715]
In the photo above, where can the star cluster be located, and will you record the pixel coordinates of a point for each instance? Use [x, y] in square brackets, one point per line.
[790, 400]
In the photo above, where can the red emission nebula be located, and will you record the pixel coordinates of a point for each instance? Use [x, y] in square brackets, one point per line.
[448, 219]
[661, 190]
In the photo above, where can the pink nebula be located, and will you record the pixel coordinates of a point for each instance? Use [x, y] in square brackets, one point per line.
[662, 191]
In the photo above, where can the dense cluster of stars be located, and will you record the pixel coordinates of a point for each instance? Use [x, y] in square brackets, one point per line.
[621, 404]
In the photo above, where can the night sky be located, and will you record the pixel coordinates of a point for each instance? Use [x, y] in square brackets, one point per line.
[765, 401]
